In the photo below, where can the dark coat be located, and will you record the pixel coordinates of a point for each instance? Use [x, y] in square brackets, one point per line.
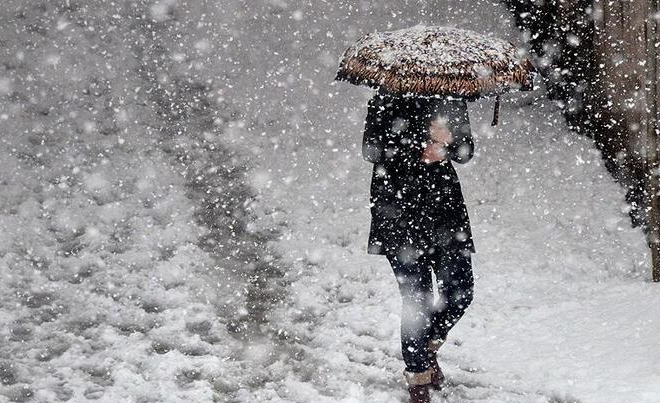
[415, 207]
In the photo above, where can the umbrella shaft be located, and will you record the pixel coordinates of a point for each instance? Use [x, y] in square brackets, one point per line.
[496, 112]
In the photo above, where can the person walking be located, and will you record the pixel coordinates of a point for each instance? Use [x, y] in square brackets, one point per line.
[417, 125]
[420, 221]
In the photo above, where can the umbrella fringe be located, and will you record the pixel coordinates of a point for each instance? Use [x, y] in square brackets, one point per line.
[405, 78]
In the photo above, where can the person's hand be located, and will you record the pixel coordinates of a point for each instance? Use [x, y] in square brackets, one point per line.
[440, 136]
[439, 132]
[434, 152]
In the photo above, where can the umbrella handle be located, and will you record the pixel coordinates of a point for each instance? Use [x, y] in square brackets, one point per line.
[496, 112]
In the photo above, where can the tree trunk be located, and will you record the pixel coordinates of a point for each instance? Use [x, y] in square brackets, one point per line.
[651, 135]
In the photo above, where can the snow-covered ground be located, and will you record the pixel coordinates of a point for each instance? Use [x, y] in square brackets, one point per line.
[120, 184]
[127, 262]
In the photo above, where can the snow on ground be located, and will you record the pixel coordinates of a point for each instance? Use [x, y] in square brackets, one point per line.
[126, 255]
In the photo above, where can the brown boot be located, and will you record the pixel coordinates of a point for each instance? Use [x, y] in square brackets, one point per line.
[438, 377]
[418, 385]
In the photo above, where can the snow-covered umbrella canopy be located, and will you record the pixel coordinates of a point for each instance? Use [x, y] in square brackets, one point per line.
[428, 60]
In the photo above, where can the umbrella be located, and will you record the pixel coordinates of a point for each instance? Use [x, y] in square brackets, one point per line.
[429, 60]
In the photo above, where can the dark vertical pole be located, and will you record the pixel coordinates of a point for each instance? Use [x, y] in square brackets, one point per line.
[496, 112]
[652, 135]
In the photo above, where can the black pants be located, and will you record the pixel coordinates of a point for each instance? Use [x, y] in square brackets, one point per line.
[421, 321]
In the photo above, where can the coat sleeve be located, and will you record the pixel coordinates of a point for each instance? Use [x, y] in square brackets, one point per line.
[461, 149]
[373, 140]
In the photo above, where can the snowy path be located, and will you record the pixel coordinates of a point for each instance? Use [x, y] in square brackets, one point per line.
[562, 312]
